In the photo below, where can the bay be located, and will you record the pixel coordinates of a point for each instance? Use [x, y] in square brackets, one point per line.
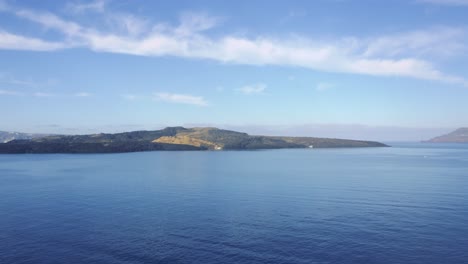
[404, 204]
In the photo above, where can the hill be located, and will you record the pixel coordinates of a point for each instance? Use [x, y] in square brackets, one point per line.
[171, 138]
[458, 136]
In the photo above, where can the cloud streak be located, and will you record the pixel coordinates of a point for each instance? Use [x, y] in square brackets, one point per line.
[43, 94]
[253, 89]
[7, 78]
[9, 92]
[323, 86]
[82, 94]
[438, 41]
[9, 41]
[181, 99]
[39, 94]
[191, 39]
[96, 6]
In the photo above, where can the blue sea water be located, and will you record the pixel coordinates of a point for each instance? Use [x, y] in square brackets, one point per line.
[405, 204]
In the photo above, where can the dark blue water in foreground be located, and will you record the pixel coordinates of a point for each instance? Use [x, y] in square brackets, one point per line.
[406, 204]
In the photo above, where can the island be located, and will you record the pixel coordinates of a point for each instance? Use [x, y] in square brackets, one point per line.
[458, 136]
[171, 138]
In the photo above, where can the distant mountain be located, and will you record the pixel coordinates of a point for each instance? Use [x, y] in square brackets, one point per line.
[458, 136]
[9, 136]
[171, 138]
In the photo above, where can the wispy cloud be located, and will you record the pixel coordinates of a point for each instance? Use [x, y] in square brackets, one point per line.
[447, 2]
[323, 86]
[96, 6]
[40, 94]
[82, 94]
[192, 23]
[26, 87]
[10, 79]
[190, 39]
[438, 41]
[43, 94]
[130, 97]
[128, 24]
[51, 21]
[6, 78]
[11, 41]
[9, 92]
[252, 89]
[181, 99]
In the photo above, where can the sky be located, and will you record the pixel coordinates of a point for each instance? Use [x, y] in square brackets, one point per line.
[380, 70]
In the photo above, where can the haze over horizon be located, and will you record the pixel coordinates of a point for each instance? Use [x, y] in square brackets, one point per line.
[389, 71]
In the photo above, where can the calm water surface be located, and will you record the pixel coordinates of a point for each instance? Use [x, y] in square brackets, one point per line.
[406, 204]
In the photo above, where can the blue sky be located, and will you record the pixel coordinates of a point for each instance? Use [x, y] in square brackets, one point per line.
[384, 70]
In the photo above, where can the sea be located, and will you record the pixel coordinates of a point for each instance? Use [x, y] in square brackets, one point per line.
[404, 204]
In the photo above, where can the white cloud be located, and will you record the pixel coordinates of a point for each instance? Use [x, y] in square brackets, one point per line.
[447, 2]
[322, 86]
[82, 94]
[253, 89]
[190, 40]
[10, 41]
[180, 99]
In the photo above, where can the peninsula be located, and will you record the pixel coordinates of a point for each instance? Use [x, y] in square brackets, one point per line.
[171, 138]
[458, 136]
